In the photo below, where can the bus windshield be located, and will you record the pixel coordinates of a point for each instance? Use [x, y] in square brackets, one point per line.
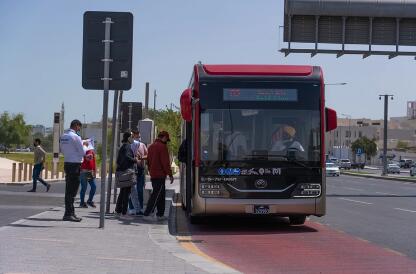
[255, 134]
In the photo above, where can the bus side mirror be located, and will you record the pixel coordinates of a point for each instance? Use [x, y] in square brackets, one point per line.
[331, 119]
[186, 104]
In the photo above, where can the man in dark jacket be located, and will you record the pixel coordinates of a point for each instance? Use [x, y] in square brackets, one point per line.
[159, 168]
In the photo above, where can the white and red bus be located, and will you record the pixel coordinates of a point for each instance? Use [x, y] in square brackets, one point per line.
[255, 141]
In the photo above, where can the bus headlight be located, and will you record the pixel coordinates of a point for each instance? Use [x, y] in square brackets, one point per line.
[307, 190]
[207, 190]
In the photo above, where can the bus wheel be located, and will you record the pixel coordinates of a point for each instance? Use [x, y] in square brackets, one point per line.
[195, 220]
[297, 220]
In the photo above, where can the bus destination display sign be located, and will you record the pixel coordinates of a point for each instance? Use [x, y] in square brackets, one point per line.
[260, 95]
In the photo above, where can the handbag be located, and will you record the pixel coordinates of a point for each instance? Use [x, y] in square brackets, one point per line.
[125, 178]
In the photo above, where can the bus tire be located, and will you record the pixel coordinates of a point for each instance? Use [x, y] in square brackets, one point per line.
[297, 220]
[195, 220]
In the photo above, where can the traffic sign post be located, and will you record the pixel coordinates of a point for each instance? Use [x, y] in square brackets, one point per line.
[105, 31]
[131, 114]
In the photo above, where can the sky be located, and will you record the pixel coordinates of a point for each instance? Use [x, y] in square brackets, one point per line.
[41, 56]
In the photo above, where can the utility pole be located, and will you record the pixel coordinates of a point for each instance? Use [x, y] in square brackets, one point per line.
[146, 101]
[154, 100]
[386, 110]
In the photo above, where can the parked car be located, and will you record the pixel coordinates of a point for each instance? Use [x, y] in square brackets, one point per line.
[4, 149]
[332, 160]
[393, 168]
[406, 163]
[25, 149]
[358, 165]
[413, 170]
[332, 169]
[345, 164]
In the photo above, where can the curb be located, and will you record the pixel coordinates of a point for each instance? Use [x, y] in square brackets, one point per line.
[380, 177]
[30, 182]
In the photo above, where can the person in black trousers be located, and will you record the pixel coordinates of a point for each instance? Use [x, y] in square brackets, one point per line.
[125, 160]
[73, 150]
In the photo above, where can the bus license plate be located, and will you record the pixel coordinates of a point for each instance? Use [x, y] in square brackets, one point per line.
[261, 209]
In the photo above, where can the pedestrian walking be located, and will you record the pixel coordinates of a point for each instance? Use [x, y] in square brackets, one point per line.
[140, 152]
[159, 167]
[72, 148]
[125, 162]
[88, 171]
[39, 160]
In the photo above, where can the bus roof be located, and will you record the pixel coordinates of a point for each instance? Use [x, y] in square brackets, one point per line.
[258, 70]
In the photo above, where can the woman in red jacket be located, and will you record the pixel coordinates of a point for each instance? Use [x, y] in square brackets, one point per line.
[88, 171]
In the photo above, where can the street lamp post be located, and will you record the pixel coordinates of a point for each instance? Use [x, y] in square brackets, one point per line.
[338, 131]
[386, 109]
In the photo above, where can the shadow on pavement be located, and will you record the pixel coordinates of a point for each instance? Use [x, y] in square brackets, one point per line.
[32, 226]
[44, 219]
[179, 225]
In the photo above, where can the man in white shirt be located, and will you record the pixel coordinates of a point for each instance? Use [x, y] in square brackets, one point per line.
[72, 148]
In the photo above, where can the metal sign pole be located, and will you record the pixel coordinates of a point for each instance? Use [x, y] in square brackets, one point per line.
[106, 80]
[114, 134]
[119, 117]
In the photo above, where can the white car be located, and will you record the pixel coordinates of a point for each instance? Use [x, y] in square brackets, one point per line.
[332, 169]
[393, 168]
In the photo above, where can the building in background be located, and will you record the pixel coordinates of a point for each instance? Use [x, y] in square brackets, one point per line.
[338, 142]
[39, 129]
[411, 110]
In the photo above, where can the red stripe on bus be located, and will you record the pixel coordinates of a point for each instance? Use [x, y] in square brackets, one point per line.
[258, 70]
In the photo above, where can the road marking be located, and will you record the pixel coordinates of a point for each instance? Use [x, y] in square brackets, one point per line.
[355, 201]
[352, 188]
[47, 240]
[385, 193]
[124, 259]
[407, 210]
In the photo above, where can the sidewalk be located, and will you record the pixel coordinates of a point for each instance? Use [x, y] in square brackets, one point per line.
[43, 243]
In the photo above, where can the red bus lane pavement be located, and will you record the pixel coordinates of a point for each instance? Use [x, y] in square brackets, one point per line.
[272, 246]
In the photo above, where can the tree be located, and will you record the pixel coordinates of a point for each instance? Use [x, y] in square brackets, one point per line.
[13, 130]
[368, 146]
[170, 121]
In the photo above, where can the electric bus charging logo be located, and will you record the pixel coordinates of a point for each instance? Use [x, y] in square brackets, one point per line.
[221, 171]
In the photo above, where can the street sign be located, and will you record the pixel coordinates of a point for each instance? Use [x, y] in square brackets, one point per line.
[121, 49]
[350, 22]
[359, 151]
[131, 114]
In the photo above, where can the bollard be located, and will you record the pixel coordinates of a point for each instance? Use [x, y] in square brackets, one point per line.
[25, 172]
[46, 171]
[30, 171]
[14, 172]
[19, 172]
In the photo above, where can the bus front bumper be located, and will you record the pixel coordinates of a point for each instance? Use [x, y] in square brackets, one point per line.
[282, 207]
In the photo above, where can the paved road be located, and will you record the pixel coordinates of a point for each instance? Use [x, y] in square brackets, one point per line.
[380, 211]
[369, 228]
[16, 203]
